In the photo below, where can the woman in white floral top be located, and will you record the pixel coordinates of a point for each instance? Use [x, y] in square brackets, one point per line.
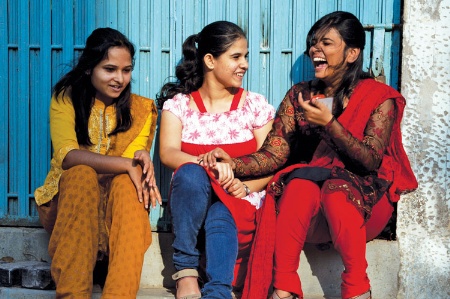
[205, 108]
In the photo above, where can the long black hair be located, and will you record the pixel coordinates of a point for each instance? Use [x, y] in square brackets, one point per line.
[77, 82]
[215, 39]
[352, 33]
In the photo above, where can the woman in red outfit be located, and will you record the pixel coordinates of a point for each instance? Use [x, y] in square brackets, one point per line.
[343, 168]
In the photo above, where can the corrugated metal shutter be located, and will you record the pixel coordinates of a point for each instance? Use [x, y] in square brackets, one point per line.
[39, 39]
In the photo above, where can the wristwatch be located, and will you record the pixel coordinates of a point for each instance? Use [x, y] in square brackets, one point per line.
[247, 189]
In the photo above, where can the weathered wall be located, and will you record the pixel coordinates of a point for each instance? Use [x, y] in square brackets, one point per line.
[423, 220]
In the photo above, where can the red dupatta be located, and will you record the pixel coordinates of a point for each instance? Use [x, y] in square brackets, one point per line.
[395, 167]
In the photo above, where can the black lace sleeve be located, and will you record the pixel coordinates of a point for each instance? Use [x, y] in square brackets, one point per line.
[275, 150]
[366, 154]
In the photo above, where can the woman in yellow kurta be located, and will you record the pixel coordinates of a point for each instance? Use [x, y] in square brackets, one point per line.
[96, 197]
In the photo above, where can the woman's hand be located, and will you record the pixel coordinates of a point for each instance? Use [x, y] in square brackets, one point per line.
[223, 173]
[315, 112]
[135, 173]
[143, 176]
[237, 189]
[211, 158]
[143, 158]
[155, 196]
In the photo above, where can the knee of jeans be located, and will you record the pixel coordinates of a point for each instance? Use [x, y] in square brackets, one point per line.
[219, 213]
[191, 175]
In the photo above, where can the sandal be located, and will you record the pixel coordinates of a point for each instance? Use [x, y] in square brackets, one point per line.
[275, 296]
[186, 273]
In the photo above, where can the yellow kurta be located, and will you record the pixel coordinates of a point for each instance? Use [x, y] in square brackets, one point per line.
[102, 121]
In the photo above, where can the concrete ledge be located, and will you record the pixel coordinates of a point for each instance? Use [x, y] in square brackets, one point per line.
[320, 269]
[151, 293]
[21, 293]
[24, 244]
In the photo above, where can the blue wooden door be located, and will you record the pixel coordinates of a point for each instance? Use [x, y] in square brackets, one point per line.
[39, 39]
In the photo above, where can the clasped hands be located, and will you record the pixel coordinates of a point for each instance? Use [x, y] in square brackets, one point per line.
[220, 163]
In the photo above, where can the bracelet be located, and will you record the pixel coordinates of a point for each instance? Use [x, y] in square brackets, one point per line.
[247, 190]
[330, 122]
[200, 161]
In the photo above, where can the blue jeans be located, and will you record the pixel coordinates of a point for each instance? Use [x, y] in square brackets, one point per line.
[192, 208]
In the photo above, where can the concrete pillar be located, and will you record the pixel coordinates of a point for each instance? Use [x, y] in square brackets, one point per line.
[423, 226]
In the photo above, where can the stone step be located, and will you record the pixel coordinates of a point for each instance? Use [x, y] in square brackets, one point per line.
[320, 267]
[28, 274]
[149, 293]
[22, 293]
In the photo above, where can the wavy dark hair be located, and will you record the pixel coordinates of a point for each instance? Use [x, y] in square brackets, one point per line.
[77, 82]
[352, 32]
[215, 39]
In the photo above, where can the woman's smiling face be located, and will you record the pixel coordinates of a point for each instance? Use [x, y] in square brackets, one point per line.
[328, 55]
[112, 75]
[230, 67]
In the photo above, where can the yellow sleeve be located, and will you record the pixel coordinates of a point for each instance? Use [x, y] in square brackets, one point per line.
[62, 128]
[140, 142]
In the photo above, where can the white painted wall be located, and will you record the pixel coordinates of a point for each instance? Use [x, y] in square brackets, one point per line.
[423, 220]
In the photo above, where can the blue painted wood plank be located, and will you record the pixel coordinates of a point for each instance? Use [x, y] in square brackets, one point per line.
[132, 31]
[20, 150]
[111, 13]
[68, 31]
[302, 68]
[13, 167]
[253, 80]
[40, 99]
[123, 14]
[39, 137]
[13, 66]
[4, 78]
[281, 51]
[159, 28]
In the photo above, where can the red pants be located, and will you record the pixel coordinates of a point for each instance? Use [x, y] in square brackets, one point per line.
[307, 214]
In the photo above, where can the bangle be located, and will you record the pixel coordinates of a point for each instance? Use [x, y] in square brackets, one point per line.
[330, 122]
[247, 190]
[200, 161]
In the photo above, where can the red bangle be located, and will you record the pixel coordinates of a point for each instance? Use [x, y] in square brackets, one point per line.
[330, 122]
